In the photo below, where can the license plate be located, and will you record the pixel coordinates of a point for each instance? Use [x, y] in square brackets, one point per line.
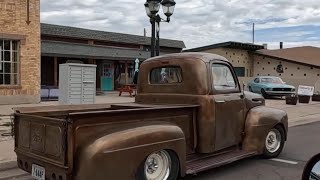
[38, 172]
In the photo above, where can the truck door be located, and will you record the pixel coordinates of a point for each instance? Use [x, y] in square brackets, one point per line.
[229, 106]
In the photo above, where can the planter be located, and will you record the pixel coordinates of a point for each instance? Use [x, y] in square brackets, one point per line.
[304, 99]
[292, 100]
[316, 97]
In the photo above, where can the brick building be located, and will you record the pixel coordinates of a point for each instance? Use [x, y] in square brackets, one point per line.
[19, 51]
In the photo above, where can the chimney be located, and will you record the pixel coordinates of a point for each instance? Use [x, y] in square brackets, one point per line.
[265, 46]
[281, 45]
[144, 32]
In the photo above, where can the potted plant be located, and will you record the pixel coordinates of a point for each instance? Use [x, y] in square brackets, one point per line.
[292, 99]
[304, 99]
[316, 96]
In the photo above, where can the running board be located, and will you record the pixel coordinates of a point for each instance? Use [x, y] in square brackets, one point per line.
[203, 164]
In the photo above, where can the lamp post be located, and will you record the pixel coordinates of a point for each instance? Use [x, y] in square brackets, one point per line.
[152, 8]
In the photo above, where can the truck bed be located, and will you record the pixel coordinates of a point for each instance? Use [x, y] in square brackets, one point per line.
[52, 136]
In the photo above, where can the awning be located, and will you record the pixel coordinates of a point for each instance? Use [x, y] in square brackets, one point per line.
[73, 50]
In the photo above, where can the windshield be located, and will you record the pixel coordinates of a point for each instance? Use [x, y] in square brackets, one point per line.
[272, 80]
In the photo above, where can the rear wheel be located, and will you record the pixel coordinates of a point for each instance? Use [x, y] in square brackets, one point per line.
[274, 142]
[160, 165]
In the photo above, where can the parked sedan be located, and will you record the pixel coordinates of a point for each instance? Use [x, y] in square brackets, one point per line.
[270, 86]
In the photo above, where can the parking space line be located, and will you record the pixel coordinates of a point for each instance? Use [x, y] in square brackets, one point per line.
[284, 161]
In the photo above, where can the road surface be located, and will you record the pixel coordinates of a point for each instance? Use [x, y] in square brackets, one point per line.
[302, 144]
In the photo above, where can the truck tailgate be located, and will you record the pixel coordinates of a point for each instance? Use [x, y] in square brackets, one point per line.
[41, 138]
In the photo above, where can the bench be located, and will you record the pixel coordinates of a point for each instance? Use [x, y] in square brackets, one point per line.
[129, 88]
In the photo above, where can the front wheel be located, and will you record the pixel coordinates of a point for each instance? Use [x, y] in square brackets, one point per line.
[264, 94]
[274, 142]
[161, 165]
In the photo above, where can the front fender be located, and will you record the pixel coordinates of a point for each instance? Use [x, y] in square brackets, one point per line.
[260, 120]
[118, 155]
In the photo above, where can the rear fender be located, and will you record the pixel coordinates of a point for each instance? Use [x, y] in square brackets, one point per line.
[118, 155]
[260, 120]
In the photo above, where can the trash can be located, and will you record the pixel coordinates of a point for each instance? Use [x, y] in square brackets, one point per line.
[292, 99]
[304, 99]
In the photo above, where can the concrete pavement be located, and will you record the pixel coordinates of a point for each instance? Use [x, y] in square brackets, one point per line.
[6, 142]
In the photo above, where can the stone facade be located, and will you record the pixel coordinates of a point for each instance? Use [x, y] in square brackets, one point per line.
[267, 66]
[237, 57]
[14, 26]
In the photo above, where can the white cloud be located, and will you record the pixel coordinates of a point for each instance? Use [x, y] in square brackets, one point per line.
[196, 22]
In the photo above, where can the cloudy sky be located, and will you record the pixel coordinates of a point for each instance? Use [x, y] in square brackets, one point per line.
[198, 22]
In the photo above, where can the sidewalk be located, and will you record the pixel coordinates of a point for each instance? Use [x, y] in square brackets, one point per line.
[6, 142]
[111, 97]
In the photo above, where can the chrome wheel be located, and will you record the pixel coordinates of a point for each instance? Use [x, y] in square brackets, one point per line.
[158, 166]
[273, 141]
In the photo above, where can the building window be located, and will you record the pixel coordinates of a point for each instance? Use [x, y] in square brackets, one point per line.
[262, 68]
[305, 74]
[298, 68]
[258, 63]
[291, 74]
[311, 67]
[286, 68]
[9, 62]
[263, 58]
[234, 53]
[279, 74]
[240, 71]
[268, 74]
[268, 62]
[318, 74]
[258, 74]
[226, 52]
[274, 68]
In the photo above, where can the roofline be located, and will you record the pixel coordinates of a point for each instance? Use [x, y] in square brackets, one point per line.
[283, 59]
[184, 46]
[230, 44]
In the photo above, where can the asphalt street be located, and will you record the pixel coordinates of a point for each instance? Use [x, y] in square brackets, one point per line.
[302, 144]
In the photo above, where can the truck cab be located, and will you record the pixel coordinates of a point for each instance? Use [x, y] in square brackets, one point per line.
[189, 115]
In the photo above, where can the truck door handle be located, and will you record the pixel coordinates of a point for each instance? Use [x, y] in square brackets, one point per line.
[257, 100]
[221, 101]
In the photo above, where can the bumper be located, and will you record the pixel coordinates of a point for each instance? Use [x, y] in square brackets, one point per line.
[280, 93]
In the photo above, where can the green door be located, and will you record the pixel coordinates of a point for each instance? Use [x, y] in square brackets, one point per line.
[107, 77]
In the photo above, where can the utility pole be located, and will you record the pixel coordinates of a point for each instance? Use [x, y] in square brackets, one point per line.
[253, 33]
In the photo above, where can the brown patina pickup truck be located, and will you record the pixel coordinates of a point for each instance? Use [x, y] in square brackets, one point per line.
[189, 115]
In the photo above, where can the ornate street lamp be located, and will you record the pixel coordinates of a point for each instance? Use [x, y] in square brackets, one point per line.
[168, 7]
[152, 8]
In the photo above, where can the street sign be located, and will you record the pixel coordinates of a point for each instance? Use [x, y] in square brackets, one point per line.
[306, 90]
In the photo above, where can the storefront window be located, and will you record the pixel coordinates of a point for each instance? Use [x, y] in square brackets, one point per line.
[9, 62]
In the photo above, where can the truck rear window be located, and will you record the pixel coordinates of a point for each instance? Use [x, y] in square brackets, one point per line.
[166, 75]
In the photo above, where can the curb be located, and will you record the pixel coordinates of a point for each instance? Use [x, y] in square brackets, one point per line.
[8, 165]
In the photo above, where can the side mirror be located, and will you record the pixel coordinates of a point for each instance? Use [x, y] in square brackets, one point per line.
[312, 169]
